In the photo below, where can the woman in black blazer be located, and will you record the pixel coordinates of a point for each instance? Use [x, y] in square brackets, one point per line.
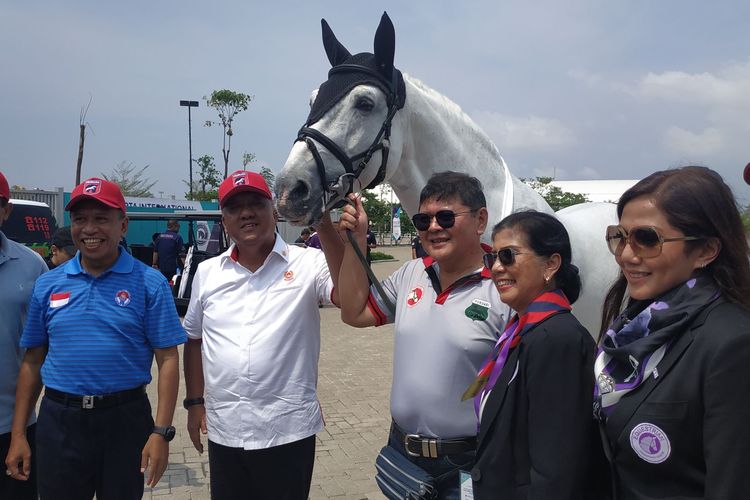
[534, 394]
[673, 368]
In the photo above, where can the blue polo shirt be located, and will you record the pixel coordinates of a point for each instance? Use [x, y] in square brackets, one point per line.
[101, 331]
[19, 268]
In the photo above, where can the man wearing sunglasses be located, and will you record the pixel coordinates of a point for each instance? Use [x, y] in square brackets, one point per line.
[447, 318]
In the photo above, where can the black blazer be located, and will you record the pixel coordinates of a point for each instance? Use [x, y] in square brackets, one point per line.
[537, 431]
[700, 403]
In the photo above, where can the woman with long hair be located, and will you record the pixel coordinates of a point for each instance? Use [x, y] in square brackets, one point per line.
[673, 366]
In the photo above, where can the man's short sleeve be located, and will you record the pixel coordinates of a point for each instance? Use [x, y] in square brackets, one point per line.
[391, 287]
[35, 328]
[193, 321]
[323, 281]
[163, 327]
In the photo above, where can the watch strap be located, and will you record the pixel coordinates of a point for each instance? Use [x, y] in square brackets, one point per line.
[188, 402]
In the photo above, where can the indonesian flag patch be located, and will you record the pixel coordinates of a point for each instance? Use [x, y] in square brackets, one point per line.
[59, 299]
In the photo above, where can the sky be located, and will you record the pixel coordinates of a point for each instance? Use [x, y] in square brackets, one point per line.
[580, 89]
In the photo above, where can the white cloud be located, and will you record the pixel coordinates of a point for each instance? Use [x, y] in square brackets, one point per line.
[524, 132]
[729, 86]
[694, 144]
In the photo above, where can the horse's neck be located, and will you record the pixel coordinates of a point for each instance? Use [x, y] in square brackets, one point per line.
[439, 136]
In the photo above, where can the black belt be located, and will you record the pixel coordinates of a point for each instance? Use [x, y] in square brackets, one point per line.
[94, 402]
[429, 447]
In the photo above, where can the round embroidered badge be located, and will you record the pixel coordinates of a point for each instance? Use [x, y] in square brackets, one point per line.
[413, 298]
[650, 443]
[122, 298]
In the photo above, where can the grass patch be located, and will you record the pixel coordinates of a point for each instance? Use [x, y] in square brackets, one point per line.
[380, 256]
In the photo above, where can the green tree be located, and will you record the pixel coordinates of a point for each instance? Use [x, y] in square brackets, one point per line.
[267, 174]
[247, 159]
[378, 212]
[206, 187]
[227, 103]
[556, 197]
[131, 180]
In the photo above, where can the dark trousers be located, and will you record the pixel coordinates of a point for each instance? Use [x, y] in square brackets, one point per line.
[85, 452]
[12, 488]
[278, 473]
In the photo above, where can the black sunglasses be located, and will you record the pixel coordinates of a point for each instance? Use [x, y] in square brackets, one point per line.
[444, 218]
[644, 241]
[506, 256]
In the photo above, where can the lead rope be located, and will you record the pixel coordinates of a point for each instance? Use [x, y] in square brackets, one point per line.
[375, 282]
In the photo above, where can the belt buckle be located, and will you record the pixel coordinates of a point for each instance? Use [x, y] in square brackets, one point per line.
[406, 444]
[429, 446]
[88, 402]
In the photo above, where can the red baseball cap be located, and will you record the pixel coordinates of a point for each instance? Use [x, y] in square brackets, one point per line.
[243, 180]
[746, 173]
[101, 190]
[4, 188]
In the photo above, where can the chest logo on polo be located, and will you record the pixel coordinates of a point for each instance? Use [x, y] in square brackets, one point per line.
[479, 310]
[413, 298]
[650, 443]
[58, 299]
[122, 298]
[289, 276]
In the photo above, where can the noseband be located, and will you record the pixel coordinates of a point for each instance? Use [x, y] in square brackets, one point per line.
[335, 192]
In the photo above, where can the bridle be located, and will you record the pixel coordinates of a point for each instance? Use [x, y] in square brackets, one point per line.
[335, 192]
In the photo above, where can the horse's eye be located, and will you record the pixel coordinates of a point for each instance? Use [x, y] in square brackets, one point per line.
[364, 104]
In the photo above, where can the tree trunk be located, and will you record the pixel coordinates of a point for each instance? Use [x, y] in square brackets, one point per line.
[80, 154]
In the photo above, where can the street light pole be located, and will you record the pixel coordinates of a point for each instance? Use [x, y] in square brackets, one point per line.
[190, 104]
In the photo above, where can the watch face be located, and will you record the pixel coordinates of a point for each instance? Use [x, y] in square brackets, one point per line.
[169, 433]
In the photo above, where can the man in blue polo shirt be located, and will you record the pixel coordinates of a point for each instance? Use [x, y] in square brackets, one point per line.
[19, 268]
[94, 326]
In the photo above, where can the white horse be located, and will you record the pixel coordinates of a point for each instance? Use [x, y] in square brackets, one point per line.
[428, 133]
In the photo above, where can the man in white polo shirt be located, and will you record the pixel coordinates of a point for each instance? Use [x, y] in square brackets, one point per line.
[254, 338]
[447, 318]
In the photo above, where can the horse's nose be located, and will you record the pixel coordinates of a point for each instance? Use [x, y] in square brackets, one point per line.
[301, 191]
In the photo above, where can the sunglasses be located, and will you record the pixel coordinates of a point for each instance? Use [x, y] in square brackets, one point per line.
[444, 218]
[506, 256]
[644, 241]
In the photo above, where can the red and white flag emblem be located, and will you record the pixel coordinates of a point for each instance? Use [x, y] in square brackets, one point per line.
[59, 299]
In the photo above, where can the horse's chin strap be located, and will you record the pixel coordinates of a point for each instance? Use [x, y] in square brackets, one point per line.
[335, 192]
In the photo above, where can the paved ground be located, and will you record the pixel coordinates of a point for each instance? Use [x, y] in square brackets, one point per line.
[354, 383]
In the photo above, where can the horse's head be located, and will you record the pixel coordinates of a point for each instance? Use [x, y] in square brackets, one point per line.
[346, 142]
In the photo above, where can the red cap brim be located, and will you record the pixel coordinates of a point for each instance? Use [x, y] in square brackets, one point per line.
[746, 174]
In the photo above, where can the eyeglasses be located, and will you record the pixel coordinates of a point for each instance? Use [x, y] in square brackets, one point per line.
[444, 218]
[644, 241]
[506, 256]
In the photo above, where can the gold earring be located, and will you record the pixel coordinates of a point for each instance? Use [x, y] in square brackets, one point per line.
[546, 280]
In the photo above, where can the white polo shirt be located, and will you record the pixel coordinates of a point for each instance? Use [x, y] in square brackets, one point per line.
[261, 343]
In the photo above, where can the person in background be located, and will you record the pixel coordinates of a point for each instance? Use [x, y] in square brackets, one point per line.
[417, 250]
[93, 328]
[314, 240]
[253, 310]
[167, 249]
[371, 243]
[19, 269]
[304, 235]
[62, 248]
[672, 370]
[447, 318]
[533, 395]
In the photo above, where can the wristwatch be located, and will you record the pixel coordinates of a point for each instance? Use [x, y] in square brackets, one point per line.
[166, 432]
[187, 403]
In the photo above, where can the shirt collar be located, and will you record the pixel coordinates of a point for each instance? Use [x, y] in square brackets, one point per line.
[123, 265]
[280, 247]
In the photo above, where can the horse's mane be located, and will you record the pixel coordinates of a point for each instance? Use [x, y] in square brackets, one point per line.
[455, 110]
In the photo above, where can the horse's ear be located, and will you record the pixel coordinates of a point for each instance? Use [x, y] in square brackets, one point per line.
[336, 52]
[385, 46]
